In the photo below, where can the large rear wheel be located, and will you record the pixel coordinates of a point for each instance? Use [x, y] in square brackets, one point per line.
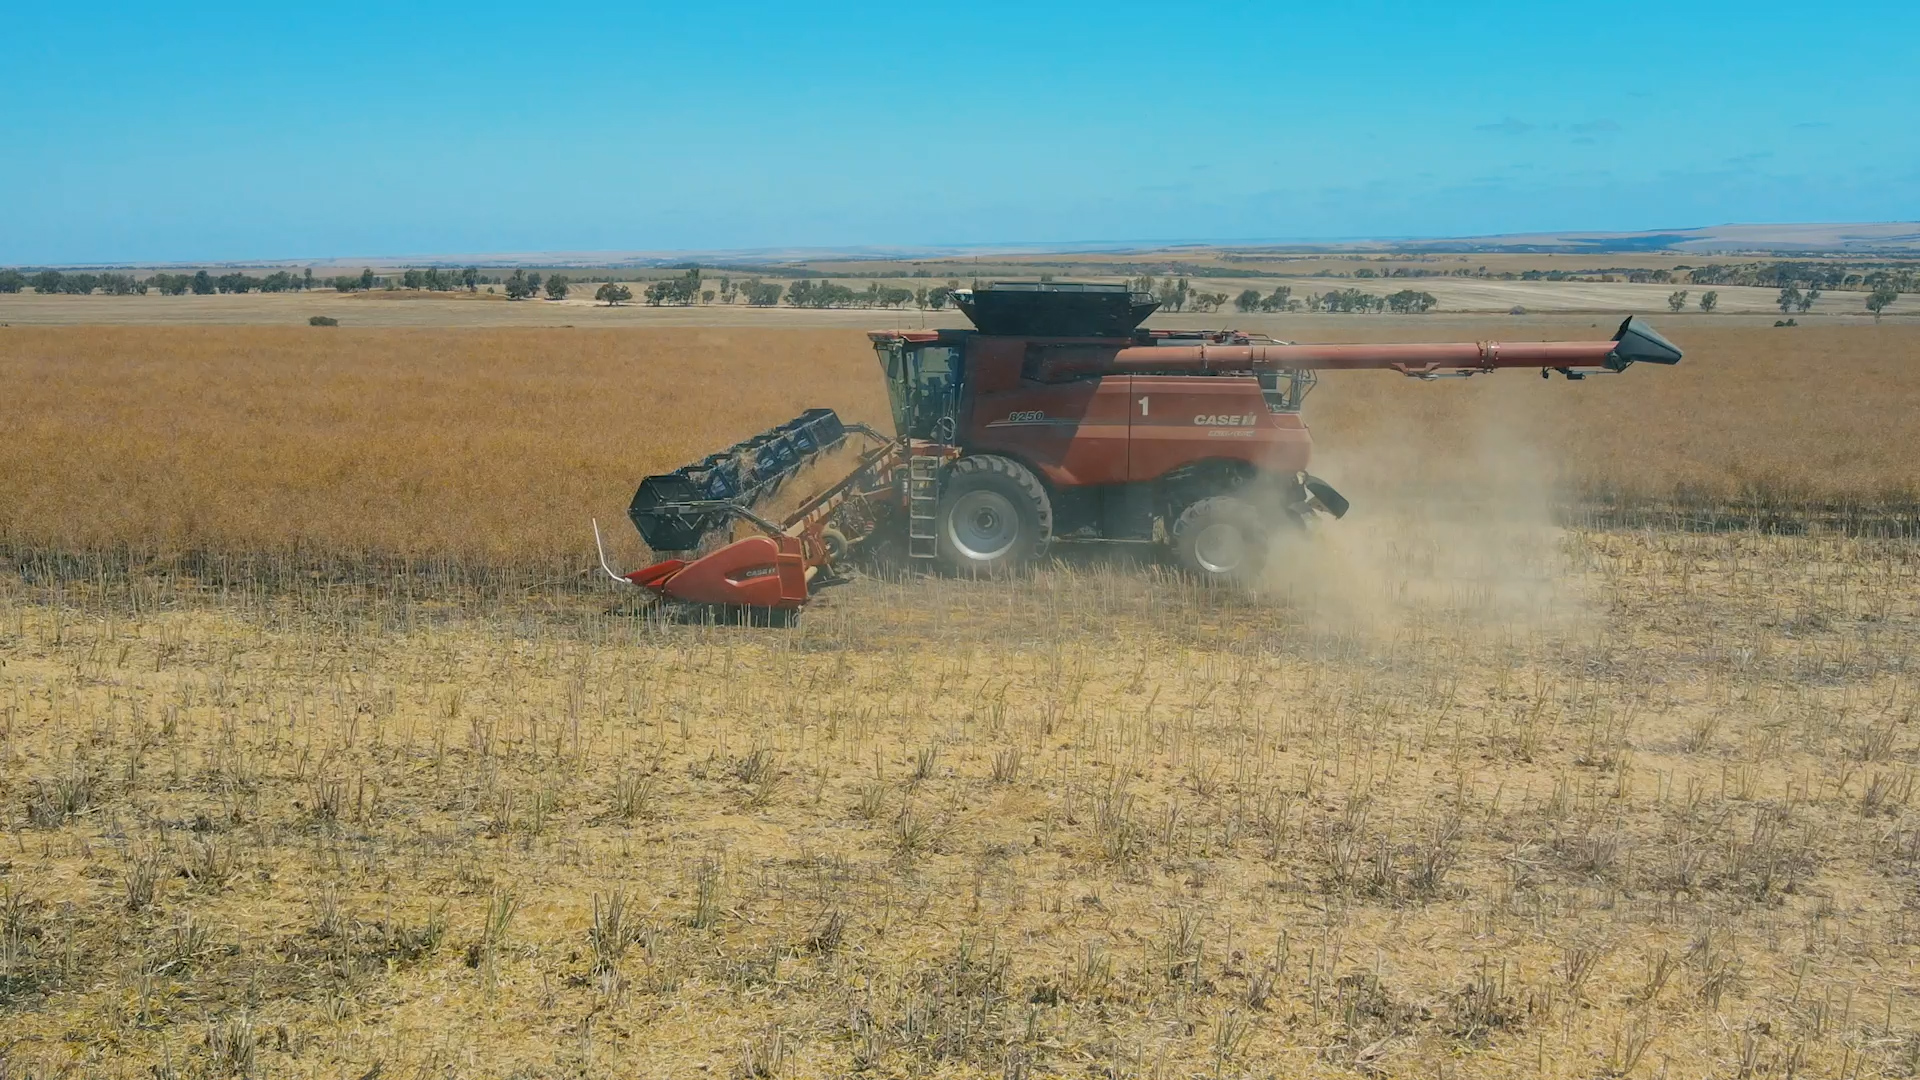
[1222, 540]
[994, 516]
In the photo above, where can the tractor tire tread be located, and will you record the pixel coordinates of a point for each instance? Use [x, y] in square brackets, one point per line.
[1233, 510]
[1023, 480]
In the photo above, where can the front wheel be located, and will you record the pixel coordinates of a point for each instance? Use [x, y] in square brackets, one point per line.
[836, 545]
[1222, 540]
[994, 516]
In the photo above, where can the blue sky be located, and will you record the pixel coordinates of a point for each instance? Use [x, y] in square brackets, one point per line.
[169, 132]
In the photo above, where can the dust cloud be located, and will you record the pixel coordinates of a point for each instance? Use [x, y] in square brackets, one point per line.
[1454, 488]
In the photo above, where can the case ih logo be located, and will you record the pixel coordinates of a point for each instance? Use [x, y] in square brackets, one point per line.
[1225, 420]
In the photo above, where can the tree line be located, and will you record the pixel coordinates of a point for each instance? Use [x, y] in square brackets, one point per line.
[1858, 277]
[691, 288]
[1404, 302]
[1800, 284]
[207, 283]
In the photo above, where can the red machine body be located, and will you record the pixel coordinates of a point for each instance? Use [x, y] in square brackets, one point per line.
[758, 572]
[1090, 411]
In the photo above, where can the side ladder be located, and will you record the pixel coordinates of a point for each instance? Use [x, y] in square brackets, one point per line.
[923, 502]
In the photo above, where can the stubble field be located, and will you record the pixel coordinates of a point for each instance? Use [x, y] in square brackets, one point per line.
[1584, 747]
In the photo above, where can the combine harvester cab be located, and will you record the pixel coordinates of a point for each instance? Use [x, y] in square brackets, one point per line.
[1058, 418]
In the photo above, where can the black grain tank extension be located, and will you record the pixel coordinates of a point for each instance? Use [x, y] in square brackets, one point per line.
[1055, 309]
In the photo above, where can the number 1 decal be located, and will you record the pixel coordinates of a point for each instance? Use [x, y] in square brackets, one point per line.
[1143, 406]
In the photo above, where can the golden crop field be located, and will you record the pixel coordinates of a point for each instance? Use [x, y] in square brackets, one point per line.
[497, 445]
[1584, 747]
[481, 445]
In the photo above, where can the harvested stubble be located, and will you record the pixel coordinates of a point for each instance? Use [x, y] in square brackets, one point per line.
[1658, 817]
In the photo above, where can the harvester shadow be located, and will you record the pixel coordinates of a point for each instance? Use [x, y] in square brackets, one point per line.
[678, 613]
[1072, 554]
[1073, 557]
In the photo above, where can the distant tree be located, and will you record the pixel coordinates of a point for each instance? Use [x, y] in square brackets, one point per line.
[413, 279]
[822, 293]
[1708, 301]
[1789, 298]
[938, 296]
[323, 320]
[366, 277]
[1173, 294]
[761, 294]
[613, 294]
[279, 281]
[1881, 298]
[12, 281]
[727, 290]
[1277, 300]
[48, 282]
[470, 277]
[1676, 300]
[1351, 300]
[518, 287]
[557, 286]
[1808, 298]
[533, 284]
[306, 280]
[706, 297]
[683, 290]
[1248, 300]
[920, 298]
[1409, 302]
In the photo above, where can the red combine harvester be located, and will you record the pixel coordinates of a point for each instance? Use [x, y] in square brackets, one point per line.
[1059, 418]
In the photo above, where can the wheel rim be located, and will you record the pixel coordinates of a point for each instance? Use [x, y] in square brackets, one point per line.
[1220, 548]
[983, 525]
